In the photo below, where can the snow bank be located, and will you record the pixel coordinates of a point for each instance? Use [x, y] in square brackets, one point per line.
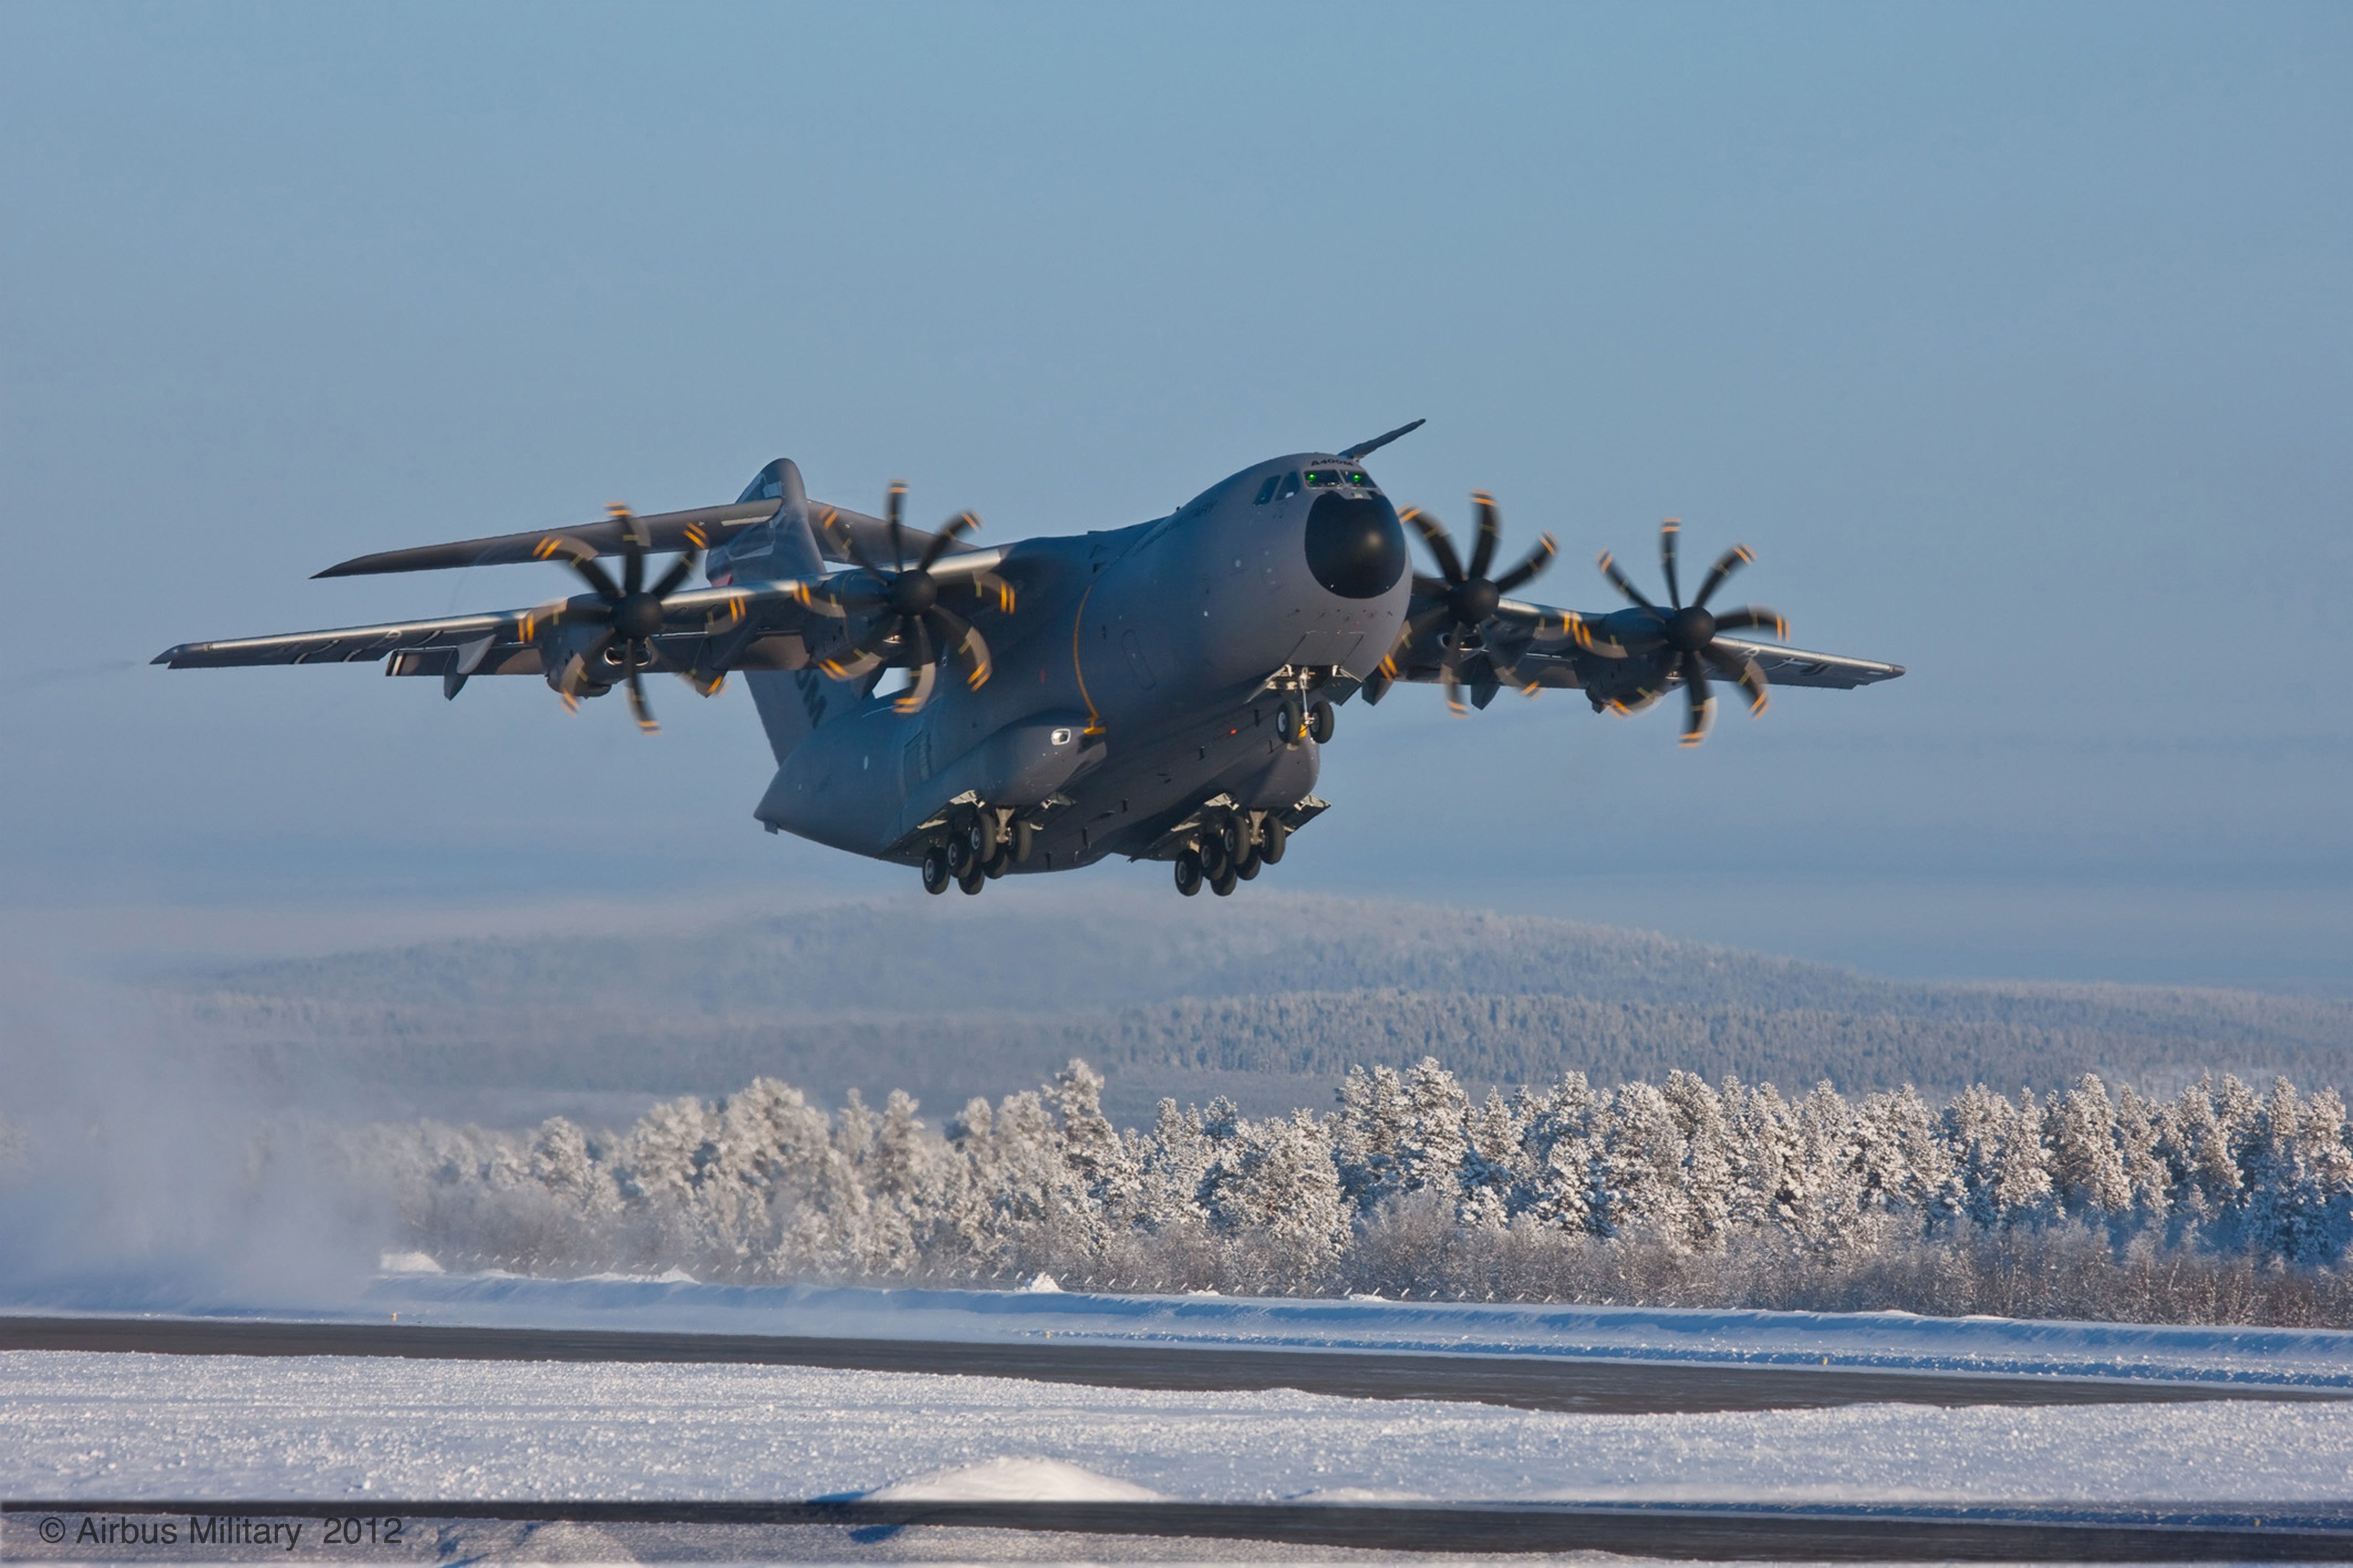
[2309, 1357]
[1015, 1480]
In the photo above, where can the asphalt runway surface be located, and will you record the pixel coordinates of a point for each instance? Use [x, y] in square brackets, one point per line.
[1590, 1386]
[855, 1530]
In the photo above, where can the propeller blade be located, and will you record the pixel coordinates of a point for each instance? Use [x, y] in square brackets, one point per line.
[1701, 701]
[1426, 586]
[1419, 627]
[575, 673]
[1491, 533]
[1727, 563]
[962, 522]
[914, 644]
[679, 570]
[1743, 672]
[592, 572]
[1441, 546]
[632, 531]
[1537, 560]
[860, 656]
[1669, 532]
[638, 705]
[1591, 637]
[913, 699]
[893, 509]
[1753, 617]
[827, 524]
[964, 642]
[1619, 581]
[1450, 676]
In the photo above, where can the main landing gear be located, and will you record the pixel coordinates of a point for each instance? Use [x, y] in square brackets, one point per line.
[982, 843]
[1230, 849]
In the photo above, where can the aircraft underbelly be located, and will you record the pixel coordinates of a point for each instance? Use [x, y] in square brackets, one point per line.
[1126, 805]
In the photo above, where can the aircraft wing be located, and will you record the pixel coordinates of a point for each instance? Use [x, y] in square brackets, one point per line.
[663, 531]
[1540, 646]
[767, 625]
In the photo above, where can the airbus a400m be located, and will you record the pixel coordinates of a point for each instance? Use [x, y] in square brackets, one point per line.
[1160, 692]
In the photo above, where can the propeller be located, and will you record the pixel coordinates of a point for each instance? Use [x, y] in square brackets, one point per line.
[1685, 634]
[1466, 600]
[912, 631]
[630, 612]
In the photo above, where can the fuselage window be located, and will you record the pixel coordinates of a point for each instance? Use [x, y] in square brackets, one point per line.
[1266, 490]
[1290, 487]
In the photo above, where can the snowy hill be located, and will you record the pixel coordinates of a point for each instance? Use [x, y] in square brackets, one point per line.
[1246, 998]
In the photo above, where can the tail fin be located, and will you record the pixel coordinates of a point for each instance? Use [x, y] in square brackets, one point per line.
[791, 703]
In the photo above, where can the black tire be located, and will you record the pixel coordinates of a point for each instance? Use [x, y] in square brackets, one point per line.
[1247, 867]
[1273, 838]
[1290, 724]
[1234, 833]
[1212, 851]
[1188, 873]
[974, 878]
[1023, 835]
[998, 867]
[980, 837]
[935, 869]
[1319, 721]
[1222, 884]
[959, 856]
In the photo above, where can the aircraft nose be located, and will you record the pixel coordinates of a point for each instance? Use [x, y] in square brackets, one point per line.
[1355, 545]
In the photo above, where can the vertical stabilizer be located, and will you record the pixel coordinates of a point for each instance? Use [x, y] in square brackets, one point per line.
[792, 702]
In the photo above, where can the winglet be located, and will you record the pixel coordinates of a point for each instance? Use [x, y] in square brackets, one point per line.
[1358, 453]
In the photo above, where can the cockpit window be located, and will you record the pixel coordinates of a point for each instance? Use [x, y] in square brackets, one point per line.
[1266, 490]
[1355, 477]
[1290, 487]
[1317, 478]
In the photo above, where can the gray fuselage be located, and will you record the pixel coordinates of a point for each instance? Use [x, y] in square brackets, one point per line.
[1137, 677]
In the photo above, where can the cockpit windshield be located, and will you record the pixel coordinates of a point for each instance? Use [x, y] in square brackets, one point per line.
[1284, 486]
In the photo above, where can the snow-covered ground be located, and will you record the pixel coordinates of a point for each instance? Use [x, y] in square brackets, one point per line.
[123, 1425]
[1894, 1340]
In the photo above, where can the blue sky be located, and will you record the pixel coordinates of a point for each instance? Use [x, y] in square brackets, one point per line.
[2018, 341]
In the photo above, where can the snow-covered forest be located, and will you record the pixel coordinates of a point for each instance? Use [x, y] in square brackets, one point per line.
[2222, 1204]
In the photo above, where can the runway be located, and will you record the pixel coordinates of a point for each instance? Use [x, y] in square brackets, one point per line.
[1590, 1386]
[861, 1530]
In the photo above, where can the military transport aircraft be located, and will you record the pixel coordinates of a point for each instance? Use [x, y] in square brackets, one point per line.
[1160, 691]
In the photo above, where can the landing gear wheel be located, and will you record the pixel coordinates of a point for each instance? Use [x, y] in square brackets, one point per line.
[1222, 884]
[1213, 856]
[998, 867]
[1019, 850]
[1188, 873]
[960, 859]
[980, 837]
[1320, 722]
[974, 878]
[1246, 863]
[935, 869]
[1290, 723]
[1273, 836]
[1234, 834]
